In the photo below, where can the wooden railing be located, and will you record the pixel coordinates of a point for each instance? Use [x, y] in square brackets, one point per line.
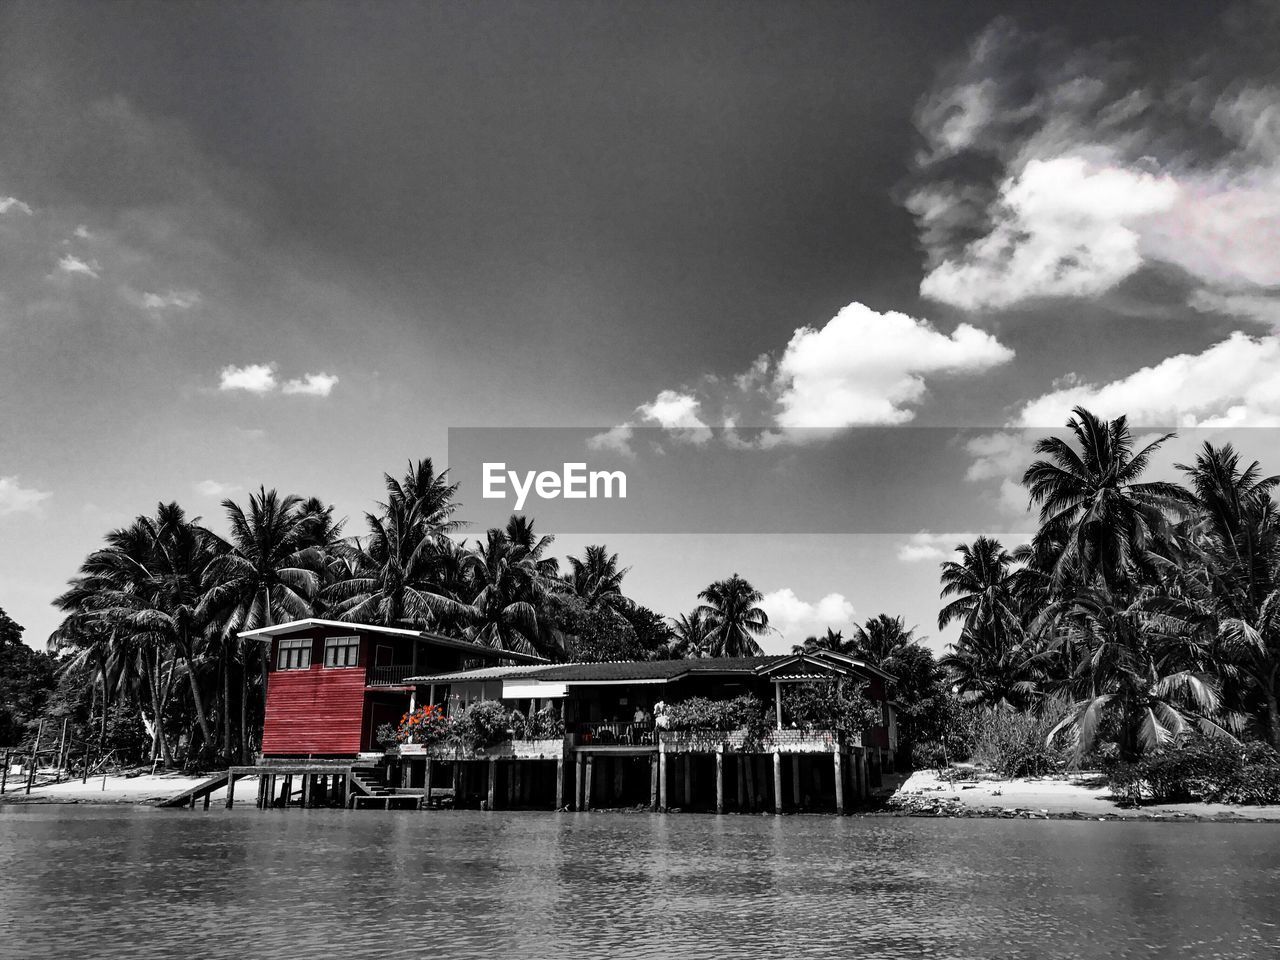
[390, 676]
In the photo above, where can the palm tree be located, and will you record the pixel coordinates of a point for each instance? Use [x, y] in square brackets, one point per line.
[1091, 499]
[431, 493]
[988, 660]
[395, 579]
[596, 580]
[1236, 534]
[880, 639]
[690, 636]
[511, 595]
[733, 618]
[831, 640]
[1143, 675]
[267, 568]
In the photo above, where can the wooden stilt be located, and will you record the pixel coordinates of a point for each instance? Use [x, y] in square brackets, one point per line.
[749, 762]
[426, 781]
[777, 782]
[653, 782]
[688, 780]
[513, 783]
[662, 781]
[741, 776]
[865, 777]
[795, 780]
[560, 782]
[588, 782]
[287, 794]
[306, 791]
[493, 784]
[838, 766]
[62, 749]
[579, 765]
[619, 778]
[720, 779]
[4, 773]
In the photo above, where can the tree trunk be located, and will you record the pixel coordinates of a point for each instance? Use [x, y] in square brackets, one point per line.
[157, 710]
[1273, 717]
[197, 697]
[226, 702]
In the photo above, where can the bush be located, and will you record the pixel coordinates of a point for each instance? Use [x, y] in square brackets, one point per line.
[545, 724]
[425, 725]
[745, 712]
[1012, 743]
[480, 724]
[1215, 771]
[839, 705]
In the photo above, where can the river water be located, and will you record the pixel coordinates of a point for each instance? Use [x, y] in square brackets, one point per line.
[105, 882]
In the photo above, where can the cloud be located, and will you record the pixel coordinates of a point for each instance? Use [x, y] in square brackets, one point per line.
[1052, 172]
[74, 265]
[616, 439]
[866, 367]
[254, 378]
[173, 300]
[15, 498]
[312, 384]
[212, 488]
[934, 547]
[1234, 383]
[796, 619]
[13, 203]
[81, 232]
[861, 368]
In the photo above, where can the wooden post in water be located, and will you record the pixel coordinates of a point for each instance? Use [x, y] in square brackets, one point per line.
[748, 763]
[426, 780]
[795, 780]
[560, 782]
[741, 777]
[838, 766]
[653, 782]
[588, 780]
[619, 772]
[493, 783]
[513, 775]
[231, 789]
[579, 762]
[4, 774]
[720, 778]
[35, 746]
[307, 781]
[777, 782]
[662, 780]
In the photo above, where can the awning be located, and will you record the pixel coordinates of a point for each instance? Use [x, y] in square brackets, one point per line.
[516, 690]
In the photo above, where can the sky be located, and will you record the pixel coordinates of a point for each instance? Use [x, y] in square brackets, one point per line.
[293, 245]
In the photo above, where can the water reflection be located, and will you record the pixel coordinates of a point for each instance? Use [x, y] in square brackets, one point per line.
[126, 882]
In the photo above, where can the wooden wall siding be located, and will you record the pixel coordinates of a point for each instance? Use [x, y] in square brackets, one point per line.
[314, 712]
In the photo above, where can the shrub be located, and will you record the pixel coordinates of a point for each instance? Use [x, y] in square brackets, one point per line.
[1012, 743]
[425, 725]
[1215, 771]
[745, 712]
[545, 724]
[831, 705]
[480, 724]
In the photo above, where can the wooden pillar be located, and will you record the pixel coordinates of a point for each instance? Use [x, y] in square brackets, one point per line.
[493, 783]
[749, 762]
[837, 760]
[560, 782]
[619, 773]
[426, 780]
[306, 791]
[4, 773]
[662, 780]
[720, 778]
[288, 789]
[688, 780]
[777, 782]
[588, 781]
[62, 748]
[777, 703]
[579, 764]
[863, 774]
[741, 777]
[795, 780]
[513, 782]
[653, 782]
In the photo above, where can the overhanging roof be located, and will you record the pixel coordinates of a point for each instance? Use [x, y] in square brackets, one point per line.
[435, 639]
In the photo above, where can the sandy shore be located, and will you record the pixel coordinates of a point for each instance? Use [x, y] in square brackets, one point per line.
[1083, 796]
[114, 788]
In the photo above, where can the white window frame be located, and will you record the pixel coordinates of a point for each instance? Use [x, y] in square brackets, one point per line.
[294, 654]
[350, 647]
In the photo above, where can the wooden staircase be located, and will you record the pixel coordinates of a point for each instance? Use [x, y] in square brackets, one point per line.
[370, 790]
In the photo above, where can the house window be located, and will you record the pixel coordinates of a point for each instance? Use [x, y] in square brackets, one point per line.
[341, 651]
[294, 655]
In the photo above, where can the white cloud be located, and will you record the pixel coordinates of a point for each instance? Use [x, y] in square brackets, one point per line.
[866, 367]
[678, 413]
[796, 619]
[15, 498]
[1093, 178]
[254, 377]
[1248, 306]
[616, 439]
[82, 233]
[312, 384]
[933, 547]
[74, 265]
[212, 488]
[13, 203]
[173, 300]
[1234, 383]
[1062, 227]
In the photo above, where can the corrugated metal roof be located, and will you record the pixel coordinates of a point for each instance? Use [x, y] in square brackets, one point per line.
[610, 670]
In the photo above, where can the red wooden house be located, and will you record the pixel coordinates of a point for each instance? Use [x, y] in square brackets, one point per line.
[331, 684]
